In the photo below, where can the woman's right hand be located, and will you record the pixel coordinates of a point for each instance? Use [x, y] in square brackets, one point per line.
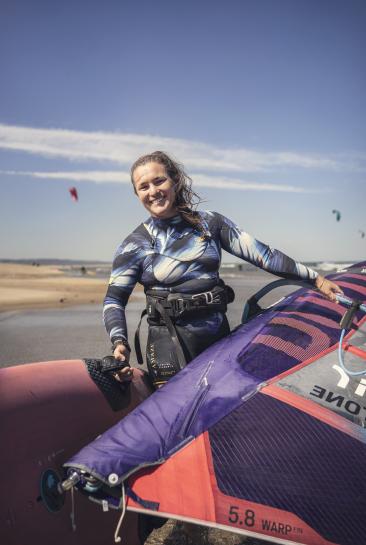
[122, 353]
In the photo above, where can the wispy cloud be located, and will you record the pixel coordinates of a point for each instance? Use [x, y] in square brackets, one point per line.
[123, 148]
[216, 182]
[232, 183]
[98, 176]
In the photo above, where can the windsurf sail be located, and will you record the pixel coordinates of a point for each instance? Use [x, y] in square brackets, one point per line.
[262, 434]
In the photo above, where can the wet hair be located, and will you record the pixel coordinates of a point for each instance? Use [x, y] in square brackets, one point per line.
[186, 200]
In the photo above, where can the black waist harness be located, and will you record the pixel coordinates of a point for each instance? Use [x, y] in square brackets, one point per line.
[178, 305]
[165, 308]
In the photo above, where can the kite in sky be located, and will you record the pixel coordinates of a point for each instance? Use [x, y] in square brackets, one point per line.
[337, 213]
[74, 194]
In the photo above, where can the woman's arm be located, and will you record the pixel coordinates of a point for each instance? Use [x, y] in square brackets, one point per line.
[124, 276]
[241, 244]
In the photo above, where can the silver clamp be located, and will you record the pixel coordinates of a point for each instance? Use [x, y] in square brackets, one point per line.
[208, 295]
[69, 483]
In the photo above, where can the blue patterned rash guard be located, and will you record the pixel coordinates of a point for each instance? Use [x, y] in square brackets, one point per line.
[172, 255]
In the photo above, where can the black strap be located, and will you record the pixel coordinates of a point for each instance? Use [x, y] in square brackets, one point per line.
[173, 333]
[251, 306]
[347, 318]
[139, 357]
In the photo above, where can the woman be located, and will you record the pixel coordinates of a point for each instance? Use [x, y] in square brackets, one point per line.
[175, 254]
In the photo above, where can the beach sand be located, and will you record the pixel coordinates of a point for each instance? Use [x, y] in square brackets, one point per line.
[44, 286]
[177, 533]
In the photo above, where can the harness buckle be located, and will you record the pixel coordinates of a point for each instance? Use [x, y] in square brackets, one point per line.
[208, 295]
[178, 304]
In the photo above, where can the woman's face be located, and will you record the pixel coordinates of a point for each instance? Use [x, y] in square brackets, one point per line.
[155, 190]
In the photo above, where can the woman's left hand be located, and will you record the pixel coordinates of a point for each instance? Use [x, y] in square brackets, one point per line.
[327, 288]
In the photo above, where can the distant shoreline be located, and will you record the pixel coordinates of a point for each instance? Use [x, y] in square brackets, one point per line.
[38, 284]
[103, 268]
[26, 286]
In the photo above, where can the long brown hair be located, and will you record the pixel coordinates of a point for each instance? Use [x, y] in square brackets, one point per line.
[186, 200]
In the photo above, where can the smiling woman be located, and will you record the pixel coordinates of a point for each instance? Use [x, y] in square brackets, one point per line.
[176, 254]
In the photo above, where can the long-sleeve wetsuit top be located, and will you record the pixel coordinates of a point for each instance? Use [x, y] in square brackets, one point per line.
[170, 254]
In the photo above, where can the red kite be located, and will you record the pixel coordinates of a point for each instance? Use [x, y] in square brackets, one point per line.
[74, 193]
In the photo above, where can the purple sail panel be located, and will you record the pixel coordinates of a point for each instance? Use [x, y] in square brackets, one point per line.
[298, 331]
[210, 387]
[288, 460]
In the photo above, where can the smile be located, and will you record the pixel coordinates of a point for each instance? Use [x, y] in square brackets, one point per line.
[159, 200]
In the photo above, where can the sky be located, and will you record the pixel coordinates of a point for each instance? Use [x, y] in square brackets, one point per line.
[263, 101]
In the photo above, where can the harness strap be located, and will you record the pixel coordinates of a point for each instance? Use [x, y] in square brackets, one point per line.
[173, 333]
[139, 357]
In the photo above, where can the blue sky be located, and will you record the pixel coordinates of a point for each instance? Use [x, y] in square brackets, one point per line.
[262, 100]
